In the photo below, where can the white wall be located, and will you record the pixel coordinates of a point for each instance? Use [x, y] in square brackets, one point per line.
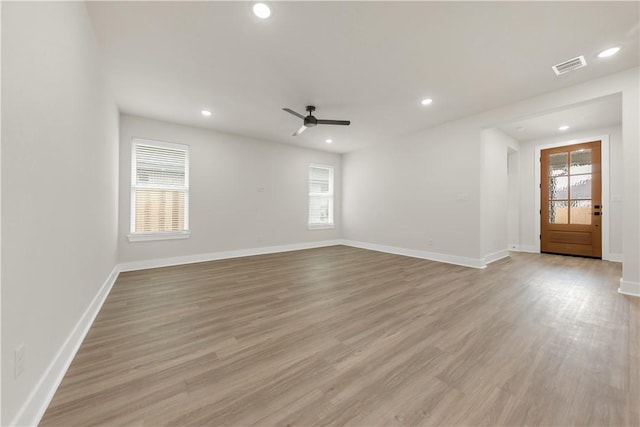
[1, 411]
[494, 192]
[513, 199]
[228, 210]
[425, 187]
[630, 282]
[59, 186]
[528, 215]
[419, 193]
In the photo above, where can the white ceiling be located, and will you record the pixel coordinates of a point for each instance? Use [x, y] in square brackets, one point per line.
[368, 62]
[598, 113]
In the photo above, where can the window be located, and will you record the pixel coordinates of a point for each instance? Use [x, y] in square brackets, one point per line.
[159, 190]
[320, 197]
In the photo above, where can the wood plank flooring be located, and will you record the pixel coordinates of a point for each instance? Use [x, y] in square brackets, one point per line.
[346, 336]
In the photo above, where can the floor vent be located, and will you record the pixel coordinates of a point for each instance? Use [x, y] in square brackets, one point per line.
[570, 65]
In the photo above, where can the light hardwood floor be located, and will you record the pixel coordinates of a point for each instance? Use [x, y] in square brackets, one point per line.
[345, 336]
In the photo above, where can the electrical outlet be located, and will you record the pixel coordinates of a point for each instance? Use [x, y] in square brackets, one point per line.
[19, 360]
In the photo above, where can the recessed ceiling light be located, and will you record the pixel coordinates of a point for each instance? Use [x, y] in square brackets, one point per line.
[328, 141]
[426, 101]
[205, 113]
[261, 10]
[563, 127]
[608, 52]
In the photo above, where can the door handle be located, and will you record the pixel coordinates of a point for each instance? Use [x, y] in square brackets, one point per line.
[597, 213]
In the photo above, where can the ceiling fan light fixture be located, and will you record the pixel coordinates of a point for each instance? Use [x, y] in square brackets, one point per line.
[609, 52]
[261, 10]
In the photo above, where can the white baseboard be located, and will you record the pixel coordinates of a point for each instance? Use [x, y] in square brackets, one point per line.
[493, 257]
[36, 404]
[214, 256]
[629, 288]
[615, 257]
[524, 248]
[414, 253]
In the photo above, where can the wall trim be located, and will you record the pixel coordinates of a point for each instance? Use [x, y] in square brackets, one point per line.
[495, 256]
[614, 257]
[214, 256]
[525, 248]
[415, 253]
[40, 397]
[629, 288]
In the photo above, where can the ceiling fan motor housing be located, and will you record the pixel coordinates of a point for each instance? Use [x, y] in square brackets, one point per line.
[310, 121]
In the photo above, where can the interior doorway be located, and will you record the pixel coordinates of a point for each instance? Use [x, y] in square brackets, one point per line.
[571, 200]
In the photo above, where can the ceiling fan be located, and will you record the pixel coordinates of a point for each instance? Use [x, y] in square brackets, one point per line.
[311, 121]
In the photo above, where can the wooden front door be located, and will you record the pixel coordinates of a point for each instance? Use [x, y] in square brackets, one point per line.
[571, 205]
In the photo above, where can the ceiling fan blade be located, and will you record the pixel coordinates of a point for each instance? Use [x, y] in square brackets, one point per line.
[288, 110]
[299, 131]
[334, 122]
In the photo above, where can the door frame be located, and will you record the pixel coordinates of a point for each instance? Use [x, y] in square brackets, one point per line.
[604, 147]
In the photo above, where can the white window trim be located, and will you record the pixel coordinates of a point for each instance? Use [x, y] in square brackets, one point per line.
[320, 226]
[165, 235]
[329, 195]
[162, 235]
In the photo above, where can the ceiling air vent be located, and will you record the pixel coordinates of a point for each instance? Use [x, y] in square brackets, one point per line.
[570, 65]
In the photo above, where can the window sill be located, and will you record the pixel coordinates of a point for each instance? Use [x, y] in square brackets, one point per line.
[167, 235]
[320, 226]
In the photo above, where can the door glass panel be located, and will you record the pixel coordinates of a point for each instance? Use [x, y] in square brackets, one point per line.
[581, 212]
[558, 212]
[558, 187]
[581, 187]
[581, 161]
[558, 164]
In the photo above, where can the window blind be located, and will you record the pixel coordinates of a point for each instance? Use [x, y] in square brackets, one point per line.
[160, 167]
[160, 187]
